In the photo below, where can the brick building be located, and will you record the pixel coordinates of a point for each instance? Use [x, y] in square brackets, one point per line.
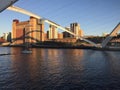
[34, 30]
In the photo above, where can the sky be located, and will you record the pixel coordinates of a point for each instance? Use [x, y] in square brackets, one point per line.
[94, 16]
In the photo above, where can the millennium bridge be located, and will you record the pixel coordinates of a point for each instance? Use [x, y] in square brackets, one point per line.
[8, 4]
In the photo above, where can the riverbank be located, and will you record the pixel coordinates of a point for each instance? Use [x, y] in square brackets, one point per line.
[107, 49]
[69, 47]
[81, 47]
[64, 47]
[57, 45]
[52, 44]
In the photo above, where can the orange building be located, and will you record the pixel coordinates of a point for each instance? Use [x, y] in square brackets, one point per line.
[60, 35]
[81, 33]
[34, 30]
[46, 36]
[53, 32]
[75, 28]
[66, 40]
[2, 40]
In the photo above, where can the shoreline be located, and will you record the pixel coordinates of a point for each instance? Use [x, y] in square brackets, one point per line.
[68, 47]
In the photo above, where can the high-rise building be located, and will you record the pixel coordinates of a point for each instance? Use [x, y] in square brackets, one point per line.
[34, 30]
[53, 32]
[75, 28]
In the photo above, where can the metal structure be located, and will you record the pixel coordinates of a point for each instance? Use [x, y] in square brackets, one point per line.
[111, 35]
[20, 10]
[6, 3]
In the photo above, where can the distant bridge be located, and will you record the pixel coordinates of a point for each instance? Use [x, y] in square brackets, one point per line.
[111, 35]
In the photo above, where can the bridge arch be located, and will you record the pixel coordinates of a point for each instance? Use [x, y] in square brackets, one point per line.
[111, 35]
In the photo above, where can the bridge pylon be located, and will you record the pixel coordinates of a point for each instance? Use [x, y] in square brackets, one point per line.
[111, 35]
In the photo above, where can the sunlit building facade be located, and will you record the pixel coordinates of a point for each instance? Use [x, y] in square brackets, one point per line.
[75, 28]
[60, 35]
[7, 37]
[53, 32]
[66, 34]
[34, 31]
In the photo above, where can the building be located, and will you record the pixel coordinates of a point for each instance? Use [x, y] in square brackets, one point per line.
[50, 35]
[81, 33]
[75, 28]
[60, 35]
[66, 34]
[66, 40]
[105, 34]
[7, 37]
[53, 32]
[2, 40]
[46, 36]
[34, 31]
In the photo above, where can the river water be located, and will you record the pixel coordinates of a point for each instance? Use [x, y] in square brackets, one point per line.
[59, 69]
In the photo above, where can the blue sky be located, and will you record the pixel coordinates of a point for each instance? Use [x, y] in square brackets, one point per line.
[94, 16]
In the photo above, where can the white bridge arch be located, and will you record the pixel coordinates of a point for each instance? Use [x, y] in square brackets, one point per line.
[111, 35]
[7, 4]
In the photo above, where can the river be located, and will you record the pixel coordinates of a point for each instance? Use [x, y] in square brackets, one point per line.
[59, 69]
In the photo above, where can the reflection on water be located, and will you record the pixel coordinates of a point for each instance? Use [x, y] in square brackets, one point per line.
[60, 69]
